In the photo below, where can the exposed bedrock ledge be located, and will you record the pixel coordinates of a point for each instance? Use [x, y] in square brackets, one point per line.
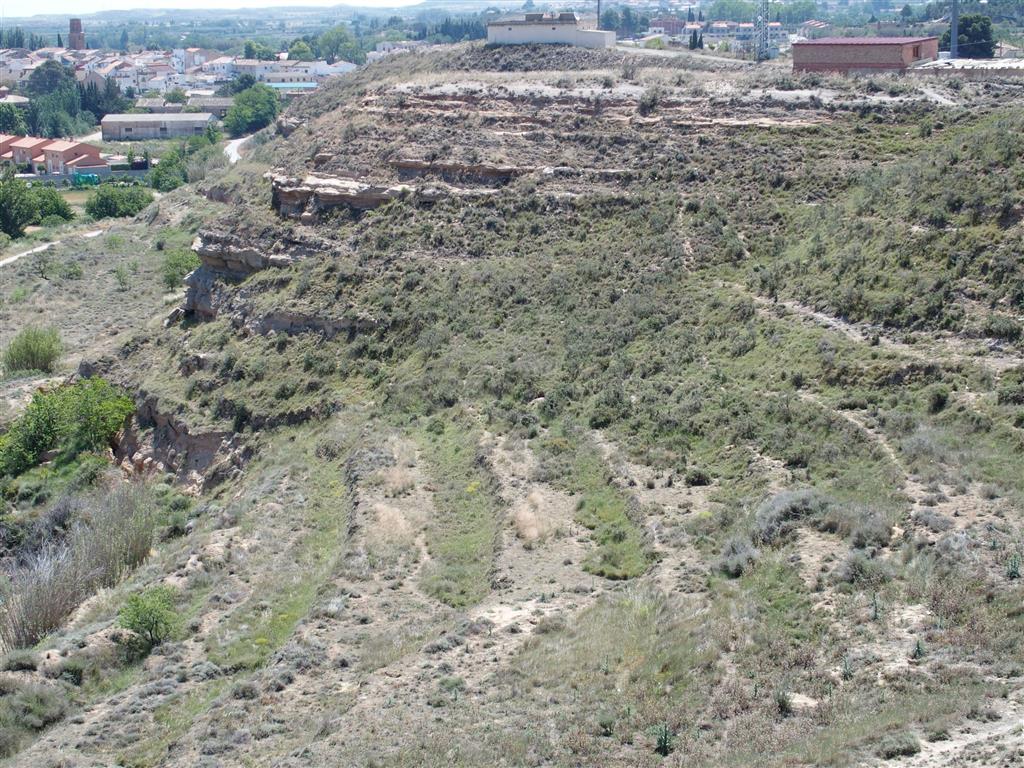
[409, 168]
[306, 198]
[229, 256]
[160, 442]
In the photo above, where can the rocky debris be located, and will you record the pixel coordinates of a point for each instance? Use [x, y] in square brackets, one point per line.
[227, 255]
[409, 168]
[287, 125]
[158, 442]
[307, 197]
[292, 323]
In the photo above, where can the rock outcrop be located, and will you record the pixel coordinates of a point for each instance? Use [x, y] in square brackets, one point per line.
[227, 255]
[160, 442]
[306, 198]
[409, 168]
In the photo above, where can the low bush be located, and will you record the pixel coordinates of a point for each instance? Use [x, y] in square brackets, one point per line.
[25, 710]
[71, 419]
[776, 515]
[104, 541]
[902, 744]
[20, 661]
[33, 349]
[738, 556]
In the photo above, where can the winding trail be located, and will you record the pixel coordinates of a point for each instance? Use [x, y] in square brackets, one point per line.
[46, 246]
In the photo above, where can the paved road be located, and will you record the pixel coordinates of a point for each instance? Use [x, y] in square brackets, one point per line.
[47, 246]
[231, 149]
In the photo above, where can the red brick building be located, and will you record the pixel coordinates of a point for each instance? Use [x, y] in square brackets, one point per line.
[854, 55]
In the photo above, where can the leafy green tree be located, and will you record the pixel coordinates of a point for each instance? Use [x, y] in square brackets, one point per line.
[177, 264]
[175, 96]
[72, 419]
[610, 19]
[48, 77]
[254, 50]
[253, 109]
[338, 42]
[300, 51]
[17, 206]
[109, 201]
[12, 120]
[150, 615]
[49, 202]
[974, 38]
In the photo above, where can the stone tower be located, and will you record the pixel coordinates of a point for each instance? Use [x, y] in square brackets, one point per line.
[76, 37]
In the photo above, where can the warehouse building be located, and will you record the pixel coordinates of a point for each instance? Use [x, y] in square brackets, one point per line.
[861, 55]
[167, 126]
[564, 29]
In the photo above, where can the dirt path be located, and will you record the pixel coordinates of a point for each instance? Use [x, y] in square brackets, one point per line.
[948, 348]
[233, 149]
[46, 246]
[998, 741]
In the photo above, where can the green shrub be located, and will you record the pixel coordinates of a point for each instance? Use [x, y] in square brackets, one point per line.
[51, 207]
[73, 419]
[109, 201]
[20, 661]
[33, 349]
[902, 744]
[177, 264]
[938, 397]
[738, 556]
[26, 710]
[150, 615]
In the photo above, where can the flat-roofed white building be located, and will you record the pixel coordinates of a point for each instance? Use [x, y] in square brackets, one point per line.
[142, 126]
[563, 29]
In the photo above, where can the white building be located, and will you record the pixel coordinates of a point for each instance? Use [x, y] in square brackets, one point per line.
[564, 29]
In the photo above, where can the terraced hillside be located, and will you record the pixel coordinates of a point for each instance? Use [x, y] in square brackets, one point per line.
[557, 408]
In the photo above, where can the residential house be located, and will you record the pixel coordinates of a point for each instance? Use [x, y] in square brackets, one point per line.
[6, 155]
[28, 151]
[65, 157]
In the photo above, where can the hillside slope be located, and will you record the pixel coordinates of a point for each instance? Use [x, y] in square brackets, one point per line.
[600, 410]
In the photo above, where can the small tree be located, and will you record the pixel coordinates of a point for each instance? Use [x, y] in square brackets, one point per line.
[300, 51]
[177, 264]
[49, 202]
[175, 96]
[12, 121]
[253, 109]
[17, 207]
[150, 615]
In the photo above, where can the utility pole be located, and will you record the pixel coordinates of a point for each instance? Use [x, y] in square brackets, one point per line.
[761, 30]
[954, 29]
[598, 14]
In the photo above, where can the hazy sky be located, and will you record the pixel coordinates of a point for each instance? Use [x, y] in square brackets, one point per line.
[22, 8]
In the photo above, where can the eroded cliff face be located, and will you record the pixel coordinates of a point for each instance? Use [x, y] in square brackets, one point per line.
[308, 197]
[160, 442]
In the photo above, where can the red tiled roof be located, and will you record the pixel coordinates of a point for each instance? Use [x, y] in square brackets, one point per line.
[30, 142]
[865, 41]
[61, 146]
